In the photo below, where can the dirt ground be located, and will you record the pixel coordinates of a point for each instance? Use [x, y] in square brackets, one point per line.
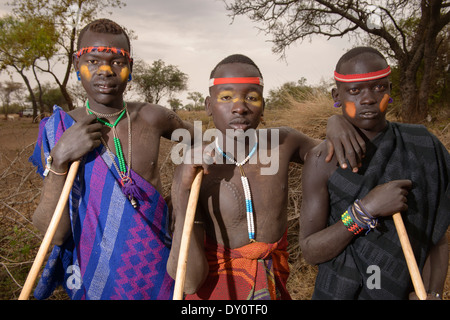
[20, 191]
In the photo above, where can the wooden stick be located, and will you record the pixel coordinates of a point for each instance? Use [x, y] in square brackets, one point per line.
[54, 222]
[186, 237]
[416, 278]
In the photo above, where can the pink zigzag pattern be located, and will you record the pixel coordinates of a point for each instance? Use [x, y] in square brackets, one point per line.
[139, 263]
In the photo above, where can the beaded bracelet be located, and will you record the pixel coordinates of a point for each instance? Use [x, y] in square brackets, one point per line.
[356, 218]
[351, 225]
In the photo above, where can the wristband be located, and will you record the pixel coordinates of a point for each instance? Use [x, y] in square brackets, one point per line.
[364, 216]
[49, 169]
[351, 225]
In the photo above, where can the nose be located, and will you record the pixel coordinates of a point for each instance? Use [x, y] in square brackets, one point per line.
[239, 106]
[367, 98]
[105, 70]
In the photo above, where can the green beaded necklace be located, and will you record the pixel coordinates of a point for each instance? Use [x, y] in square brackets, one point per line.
[128, 187]
[117, 145]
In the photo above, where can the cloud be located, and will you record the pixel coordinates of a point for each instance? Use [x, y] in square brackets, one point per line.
[196, 34]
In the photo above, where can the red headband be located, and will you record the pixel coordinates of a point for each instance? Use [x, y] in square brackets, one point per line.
[362, 76]
[115, 50]
[250, 80]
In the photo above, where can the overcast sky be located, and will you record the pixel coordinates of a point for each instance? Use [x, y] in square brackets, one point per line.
[196, 34]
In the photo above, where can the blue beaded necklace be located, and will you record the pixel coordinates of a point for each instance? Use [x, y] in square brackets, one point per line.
[246, 186]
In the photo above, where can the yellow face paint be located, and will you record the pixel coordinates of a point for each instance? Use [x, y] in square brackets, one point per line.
[105, 68]
[225, 96]
[255, 99]
[124, 73]
[384, 103]
[84, 71]
[252, 98]
[350, 109]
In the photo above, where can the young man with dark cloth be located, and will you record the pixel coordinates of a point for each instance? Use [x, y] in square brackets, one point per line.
[345, 223]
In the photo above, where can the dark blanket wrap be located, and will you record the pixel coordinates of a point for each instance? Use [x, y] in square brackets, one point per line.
[402, 151]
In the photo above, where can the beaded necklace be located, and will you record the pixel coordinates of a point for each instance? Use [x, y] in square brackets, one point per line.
[246, 187]
[128, 186]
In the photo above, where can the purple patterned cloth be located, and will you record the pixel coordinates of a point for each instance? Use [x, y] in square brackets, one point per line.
[116, 251]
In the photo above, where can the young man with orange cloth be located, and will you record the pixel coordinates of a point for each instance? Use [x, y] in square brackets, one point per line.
[239, 247]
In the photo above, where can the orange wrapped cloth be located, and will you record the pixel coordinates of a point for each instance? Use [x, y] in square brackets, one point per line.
[257, 271]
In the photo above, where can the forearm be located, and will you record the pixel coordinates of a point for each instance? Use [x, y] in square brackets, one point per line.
[326, 244]
[43, 214]
[197, 266]
[436, 265]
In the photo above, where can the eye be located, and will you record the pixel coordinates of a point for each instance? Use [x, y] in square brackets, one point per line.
[380, 87]
[353, 91]
[253, 97]
[93, 61]
[225, 96]
[118, 63]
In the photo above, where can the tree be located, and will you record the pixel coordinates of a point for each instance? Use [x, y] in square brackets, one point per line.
[409, 30]
[49, 96]
[66, 16]
[279, 98]
[198, 99]
[158, 80]
[7, 89]
[175, 104]
[23, 43]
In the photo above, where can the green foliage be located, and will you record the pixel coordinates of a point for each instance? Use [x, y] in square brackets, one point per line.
[60, 20]
[410, 33]
[22, 42]
[281, 97]
[175, 104]
[158, 80]
[198, 99]
[51, 95]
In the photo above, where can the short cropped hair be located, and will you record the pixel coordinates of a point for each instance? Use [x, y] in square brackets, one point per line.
[103, 26]
[356, 52]
[235, 58]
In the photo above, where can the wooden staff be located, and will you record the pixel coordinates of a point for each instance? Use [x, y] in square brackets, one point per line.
[186, 236]
[416, 278]
[54, 222]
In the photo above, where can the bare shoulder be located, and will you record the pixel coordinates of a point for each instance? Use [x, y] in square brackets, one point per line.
[295, 143]
[153, 113]
[292, 135]
[77, 113]
[160, 118]
[315, 161]
[317, 154]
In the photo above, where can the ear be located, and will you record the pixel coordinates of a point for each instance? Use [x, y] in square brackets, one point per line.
[76, 63]
[208, 106]
[335, 94]
[131, 65]
[263, 106]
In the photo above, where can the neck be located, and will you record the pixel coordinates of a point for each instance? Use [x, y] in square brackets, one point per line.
[105, 108]
[371, 133]
[239, 146]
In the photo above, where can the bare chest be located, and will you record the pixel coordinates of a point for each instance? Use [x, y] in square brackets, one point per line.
[137, 146]
[225, 209]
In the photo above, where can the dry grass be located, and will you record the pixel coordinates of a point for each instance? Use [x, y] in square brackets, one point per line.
[20, 191]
